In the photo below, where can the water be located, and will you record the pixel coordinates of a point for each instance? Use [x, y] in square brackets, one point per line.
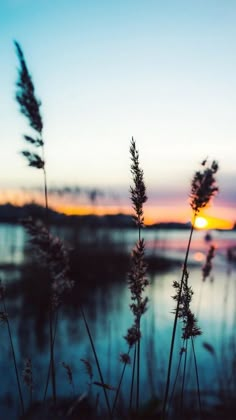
[103, 290]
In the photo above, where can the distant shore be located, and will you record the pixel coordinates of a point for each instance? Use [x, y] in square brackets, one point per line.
[15, 214]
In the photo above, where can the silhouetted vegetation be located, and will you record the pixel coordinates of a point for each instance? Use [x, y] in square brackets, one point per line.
[58, 280]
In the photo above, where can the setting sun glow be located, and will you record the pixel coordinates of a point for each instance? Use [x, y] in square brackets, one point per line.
[209, 222]
[200, 222]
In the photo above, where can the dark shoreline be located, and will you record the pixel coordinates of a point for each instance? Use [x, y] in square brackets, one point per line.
[15, 214]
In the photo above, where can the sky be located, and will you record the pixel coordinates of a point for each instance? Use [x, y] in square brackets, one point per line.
[162, 71]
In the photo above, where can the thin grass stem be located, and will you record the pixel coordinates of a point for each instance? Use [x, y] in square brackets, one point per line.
[97, 361]
[14, 359]
[176, 319]
[132, 379]
[138, 345]
[183, 379]
[197, 377]
[176, 376]
[49, 368]
[51, 334]
[138, 371]
[119, 386]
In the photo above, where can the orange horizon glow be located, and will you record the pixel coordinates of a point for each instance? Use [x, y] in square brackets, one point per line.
[220, 218]
[165, 215]
[152, 214]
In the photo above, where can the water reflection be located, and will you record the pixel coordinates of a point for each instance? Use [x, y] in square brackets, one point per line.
[99, 265]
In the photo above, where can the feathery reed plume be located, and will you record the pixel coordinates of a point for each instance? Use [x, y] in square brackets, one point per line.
[4, 319]
[69, 375]
[203, 189]
[88, 368]
[106, 386]
[138, 192]
[137, 280]
[206, 269]
[68, 372]
[30, 108]
[203, 186]
[29, 104]
[190, 330]
[52, 254]
[190, 327]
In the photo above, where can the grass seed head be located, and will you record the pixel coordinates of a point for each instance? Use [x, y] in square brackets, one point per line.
[25, 95]
[68, 372]
[30, 108]
[190, 327]
[53, 254]
[133, 335]
[138, 191]
[125, 358]
[88, 368]
[203, 186]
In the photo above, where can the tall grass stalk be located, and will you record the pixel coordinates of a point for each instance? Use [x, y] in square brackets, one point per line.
[137, 280]
[30, 108]
[203, 188]
[53, 255]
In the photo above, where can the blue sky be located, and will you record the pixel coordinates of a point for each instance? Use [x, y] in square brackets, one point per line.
[161, 71]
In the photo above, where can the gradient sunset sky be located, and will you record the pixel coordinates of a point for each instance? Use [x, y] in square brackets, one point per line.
[163, 72]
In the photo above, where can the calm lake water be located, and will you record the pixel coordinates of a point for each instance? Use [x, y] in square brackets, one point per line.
[106, 300]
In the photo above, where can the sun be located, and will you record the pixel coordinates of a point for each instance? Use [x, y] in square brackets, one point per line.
[209, 222]
[200, 222]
